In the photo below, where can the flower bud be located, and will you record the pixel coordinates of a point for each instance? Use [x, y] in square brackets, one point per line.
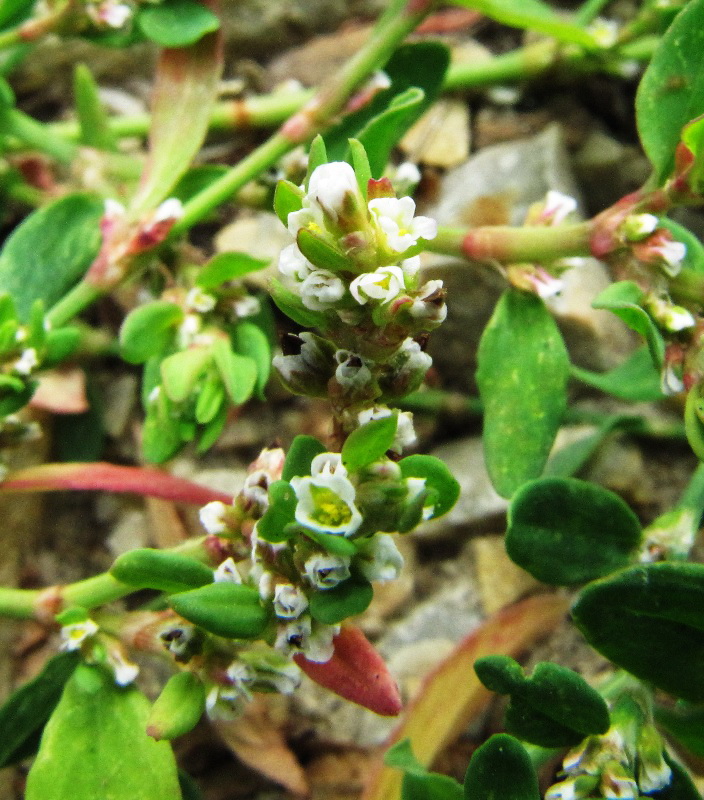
[325, 571]
[307, 364]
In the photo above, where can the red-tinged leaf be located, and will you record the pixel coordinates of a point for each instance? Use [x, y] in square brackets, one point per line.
[256, 739]
[110, 478]
[184, 94]
[452, 695]
[61, 392]
[356, 672]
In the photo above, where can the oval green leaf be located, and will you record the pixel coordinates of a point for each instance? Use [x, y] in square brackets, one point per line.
[226, 267]
[347, 599]
[177, 23]
[438, 478]
[566, 531]
[300, 455]
[148, 330]
[225, 609]
[147, 568]
[369, 442]
[522, 379]
[501, 770]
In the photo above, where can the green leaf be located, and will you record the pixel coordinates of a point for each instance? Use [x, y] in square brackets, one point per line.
[501, 770]
[650, 621]
[161, 436]
[197, 179]
[26, 711]
[636, 380]
[360, 163]
[13, 12]
[251, 341]
[317, 155]
[178, 708]
[60, 344]
[290, 304]
[231, 610]
[566, 531]
[685, 723]
[554, 707]
[333, 543]
[280, 513]
[369, 442]
[693, 421]
[418, 783]
[623, 299]
[671, 92]
[238, 373]
[146, 568]
[95, 746]
[300, 455]
[420, 65]
[226, 267]
[180, 372]
[92, 118]
[287, 198]
[184, 94]
[318, 250]
[211, 397]
[437, 477]
[177, 23]
[345, 600]
[148, 330]
[48, 253]
[522, 379]
[212, 430]
[533, 15]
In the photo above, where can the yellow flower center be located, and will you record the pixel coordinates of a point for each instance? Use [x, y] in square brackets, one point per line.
[330, 510]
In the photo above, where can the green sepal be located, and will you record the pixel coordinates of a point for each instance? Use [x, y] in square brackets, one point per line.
[226, 267]
[438, 478]
[239, 373]
[554, 707]
[281, 512]
[26, 711]
[287, 198]
[501, 770]
[369, 442]
[360, 163]
[181, 371]
[231, 610]
[318, 250]
[566, 531]
[149, 330]
[650, 621]
[300, 455]
[8, 331]
[333, 543]
[178, 708]
[290, 304]
[317, 156]
[694, 420]
[623, 299]
[147, 568]
[347, 599]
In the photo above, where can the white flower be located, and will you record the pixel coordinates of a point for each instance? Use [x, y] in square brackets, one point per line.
[200, 301]
[246, 306]
[327, 464]
[326, 503]
[73, 636]
[604, 32]
[315, 642]
[170, 210]
[113, 15]
[351, 373]
[411, 266]
[557, 207]
[289, 601]
[395, 219]
[637, 226]
[266, 585]
[227, 572]
[213, 517]
[320, 647]
[422, 309]
[309, 217]
[672, 254]
[325, 571]
[125, 671]
[414, 358]
[384, 284]
[26, 362]
[379, 558]
[330, 184]
[293, 264]
[406, 177]
[321, 289]
[188, 330]
[113, 209]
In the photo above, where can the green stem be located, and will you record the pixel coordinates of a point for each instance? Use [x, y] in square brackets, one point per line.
[81, 296]
[509, 245]
[36, 135]
[589, 11]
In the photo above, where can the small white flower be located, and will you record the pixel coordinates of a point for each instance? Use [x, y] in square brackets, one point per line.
[111, 14]
[293, 264]
[292, 637]
[125, 671]
[227, 572]
[406, 177]
[289, 601]
[326, 503]
[27, 362]
[327, 464]
[414, 358]
[383, 285]
[200, 301]
[309, 217]
[170, 210]
[325, 570]
[21, 335]
[188, 330]
[557, 207]
[314, 641]
[246, 306]
[604, 32]
[73, 636]
[213, 517]
[352, 373]
[320, 647]
[255, 490]
[672, 254]
[421, 309]
[637, 226]
[379, 558]
[653, 775]
[113, 209]
[265, 585]
[321, 289]
[284, 678]
[330, 184]
[396, 221]
[411, 266]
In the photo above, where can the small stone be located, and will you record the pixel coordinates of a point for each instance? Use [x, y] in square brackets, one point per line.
[441, 137]
[500, 581]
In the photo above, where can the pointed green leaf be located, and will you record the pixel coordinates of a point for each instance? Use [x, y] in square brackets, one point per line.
[333, 543]
[226, 267]
[636, 380]
[300, 455]
[369, 442]
[280, 513]
[418, 783]
[238, 373]
[251, 341]
[566, 531]
[92, 118]
[501, 770]
[650, 621]
[318, 250]
[180, 372]
[287, 198]
[360, 163]
[671, 92]
[178, 708]
[146, 568]
[317, 155]
[231, 610]
[345, 600]
[95, 746]
[211, 396]
[48, 253]
[148, 330]
[522, 378]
